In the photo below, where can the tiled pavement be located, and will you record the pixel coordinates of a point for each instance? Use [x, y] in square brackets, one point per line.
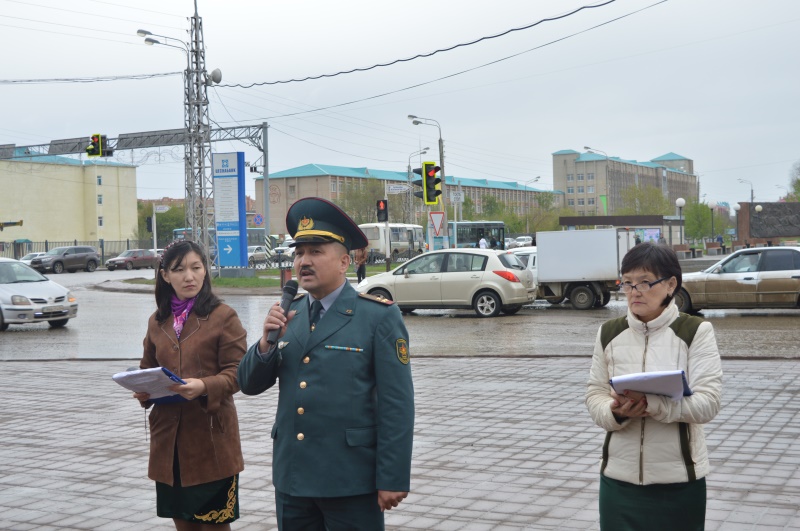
[500, 444]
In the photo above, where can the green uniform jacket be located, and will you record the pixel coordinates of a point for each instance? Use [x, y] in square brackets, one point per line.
[345, 418]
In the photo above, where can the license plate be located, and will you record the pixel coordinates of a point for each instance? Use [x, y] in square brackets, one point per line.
[51, 309]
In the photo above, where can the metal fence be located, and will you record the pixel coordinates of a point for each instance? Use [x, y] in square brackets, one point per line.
[106, 248]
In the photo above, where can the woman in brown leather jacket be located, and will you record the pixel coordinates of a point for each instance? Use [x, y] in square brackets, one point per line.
[195, 452]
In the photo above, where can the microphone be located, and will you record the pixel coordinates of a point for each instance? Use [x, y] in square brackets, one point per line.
[289, 292]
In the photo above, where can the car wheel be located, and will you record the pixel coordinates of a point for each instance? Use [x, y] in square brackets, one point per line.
[604, 300]
[129, 266]
[111, 268]
[3, 324]
[683, 301]
[487, 304]
[58, 268]
[58, 323]
[91, 265]
[511, 310]
[381, 293]
[582, 297]
[251, 262]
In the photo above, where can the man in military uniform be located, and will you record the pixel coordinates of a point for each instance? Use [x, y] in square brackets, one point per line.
[343, 430]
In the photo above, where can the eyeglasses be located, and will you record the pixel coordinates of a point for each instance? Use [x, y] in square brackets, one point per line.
[627, 287]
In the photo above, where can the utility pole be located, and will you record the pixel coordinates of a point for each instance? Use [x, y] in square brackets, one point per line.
[265, 186]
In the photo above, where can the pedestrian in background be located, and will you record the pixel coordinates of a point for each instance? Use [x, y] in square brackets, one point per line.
[360, 259]
[655, 460]
[195, 452]
[343, 431]
[482, 243]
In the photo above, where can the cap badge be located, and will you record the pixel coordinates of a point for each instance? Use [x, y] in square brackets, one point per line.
[305, 224]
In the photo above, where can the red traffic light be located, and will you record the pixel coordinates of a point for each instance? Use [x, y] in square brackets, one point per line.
[433, 171]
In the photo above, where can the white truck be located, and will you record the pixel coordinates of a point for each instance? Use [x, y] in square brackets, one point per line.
[581, 265]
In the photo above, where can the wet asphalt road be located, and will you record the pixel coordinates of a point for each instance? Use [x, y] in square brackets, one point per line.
[111, 325]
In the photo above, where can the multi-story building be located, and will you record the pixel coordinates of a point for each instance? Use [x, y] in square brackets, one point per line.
[63, 199]
[334, 182]
[593, 184]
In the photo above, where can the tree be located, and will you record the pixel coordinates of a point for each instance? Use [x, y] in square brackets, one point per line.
[794, 183]
[643, 201]
[172, 219]
[360, 197]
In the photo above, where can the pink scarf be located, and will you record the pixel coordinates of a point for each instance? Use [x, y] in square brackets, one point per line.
[181, 310]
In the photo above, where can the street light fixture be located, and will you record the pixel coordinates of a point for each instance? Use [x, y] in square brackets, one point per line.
[736, 209]
[680, 203]
[743, 181]
[528, 201]
[418, 120]
[712, 205]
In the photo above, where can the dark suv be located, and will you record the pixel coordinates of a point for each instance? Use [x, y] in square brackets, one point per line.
[70, 258]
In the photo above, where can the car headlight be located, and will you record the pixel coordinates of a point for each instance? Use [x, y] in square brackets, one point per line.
[47, 259]
[71, 297]
[19, 300]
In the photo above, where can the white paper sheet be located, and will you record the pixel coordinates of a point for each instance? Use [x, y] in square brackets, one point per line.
[668, 383]
[156, 381]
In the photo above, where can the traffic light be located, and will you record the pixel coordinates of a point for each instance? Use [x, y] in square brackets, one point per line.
[430, 180]
[149, 222]
[93, 149]
[383, 210]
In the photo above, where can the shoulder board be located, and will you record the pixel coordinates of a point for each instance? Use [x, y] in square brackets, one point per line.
[373, 298]
[299, 296]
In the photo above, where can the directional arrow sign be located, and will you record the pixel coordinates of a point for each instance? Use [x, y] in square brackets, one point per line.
[160, 209]
[228, 249]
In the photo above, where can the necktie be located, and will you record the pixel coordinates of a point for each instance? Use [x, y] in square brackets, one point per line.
[316, 308]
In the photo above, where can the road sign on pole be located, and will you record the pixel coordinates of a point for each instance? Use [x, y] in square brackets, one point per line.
[397, 188]
[436, 219]
[457, 197]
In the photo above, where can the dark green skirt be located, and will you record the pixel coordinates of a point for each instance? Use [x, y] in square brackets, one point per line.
[216, 502]
[625, 506]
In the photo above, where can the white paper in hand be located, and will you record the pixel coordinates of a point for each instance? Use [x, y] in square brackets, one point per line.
[668, 383]
[155, 382]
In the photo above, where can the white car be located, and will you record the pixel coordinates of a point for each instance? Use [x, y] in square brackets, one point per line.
[258, 254]
[484, 280]
[30, 256]
[523, 241]
[27, 296]
[284, 251]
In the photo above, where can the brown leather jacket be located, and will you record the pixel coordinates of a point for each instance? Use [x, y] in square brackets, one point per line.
[360, 256]
[206, 430]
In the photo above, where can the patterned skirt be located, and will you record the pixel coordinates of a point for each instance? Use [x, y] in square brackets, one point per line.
[216, 502]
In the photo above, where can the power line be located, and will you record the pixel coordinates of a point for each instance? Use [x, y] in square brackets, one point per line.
[27, 3]
[424, 55]
[98, 79]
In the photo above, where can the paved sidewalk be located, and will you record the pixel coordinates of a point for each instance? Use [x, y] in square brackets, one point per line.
[500, 444]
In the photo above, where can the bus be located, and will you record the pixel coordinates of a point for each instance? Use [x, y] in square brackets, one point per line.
[404, 240]
[469, 233]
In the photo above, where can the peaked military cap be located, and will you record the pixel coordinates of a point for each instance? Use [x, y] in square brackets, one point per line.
[316, 220]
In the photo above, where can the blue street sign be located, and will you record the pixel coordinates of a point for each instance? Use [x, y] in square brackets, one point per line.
[229, 208]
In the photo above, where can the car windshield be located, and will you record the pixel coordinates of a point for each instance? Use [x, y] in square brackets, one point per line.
[252, 249]
[126, 253]
[30, 256]
[511, 261]
[16, 272]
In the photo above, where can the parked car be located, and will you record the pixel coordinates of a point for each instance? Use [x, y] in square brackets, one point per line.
[30, 256]
[27, 296]
[485, 280]
[284, 251]
[133, 259]
[258, 254]
[70, 258]
[523, 241]
[527, 255]
[510, 243]
[762, 277]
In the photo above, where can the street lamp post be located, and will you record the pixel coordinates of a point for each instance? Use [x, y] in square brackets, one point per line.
[417, 120]
[752, 197]
[608, 173]
[411, 212]
[528, 201]
[736, 208]
[712, 205]
[680, 203]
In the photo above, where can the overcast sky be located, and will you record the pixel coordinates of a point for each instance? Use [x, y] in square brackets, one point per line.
[716, 81]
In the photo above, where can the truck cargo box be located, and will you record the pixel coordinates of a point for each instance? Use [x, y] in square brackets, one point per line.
[581, 255]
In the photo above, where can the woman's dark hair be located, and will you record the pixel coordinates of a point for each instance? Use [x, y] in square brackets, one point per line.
[655, 258]
[173, 255]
